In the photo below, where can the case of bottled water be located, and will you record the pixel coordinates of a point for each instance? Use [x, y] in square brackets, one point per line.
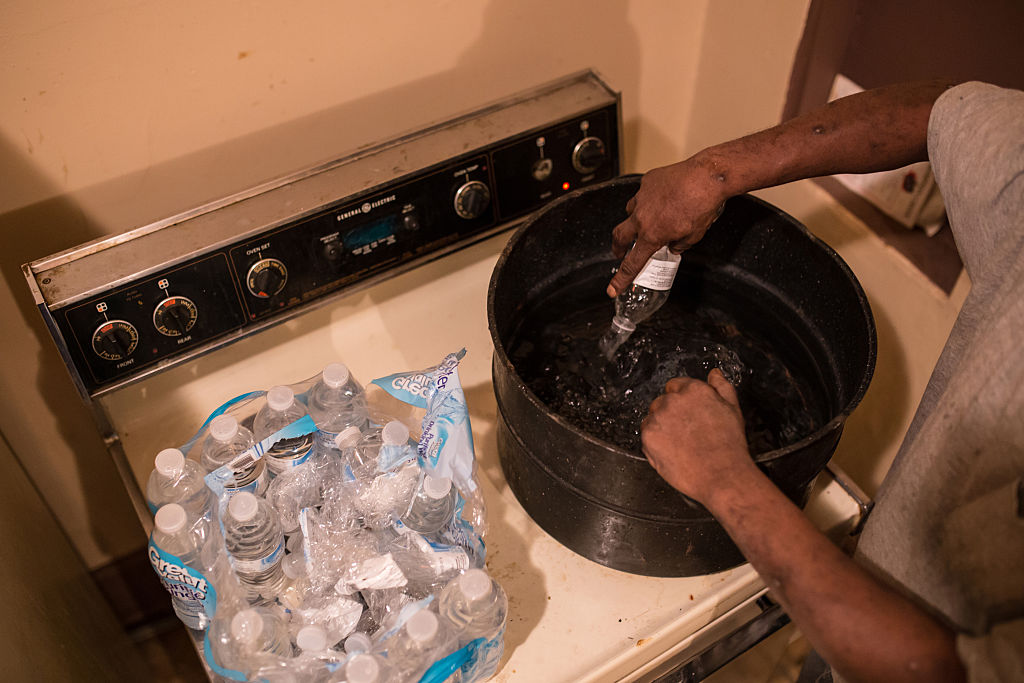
[324, 531]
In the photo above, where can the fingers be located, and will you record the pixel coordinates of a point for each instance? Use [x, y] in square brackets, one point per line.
[724, 387]
[623, 236]
[631, 266]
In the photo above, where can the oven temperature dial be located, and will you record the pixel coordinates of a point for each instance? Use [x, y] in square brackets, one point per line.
[115, 339]
[174, 316]
[266, 278]
[472, 199]
[588, 155]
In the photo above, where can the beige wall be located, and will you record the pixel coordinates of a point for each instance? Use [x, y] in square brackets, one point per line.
[118, 113]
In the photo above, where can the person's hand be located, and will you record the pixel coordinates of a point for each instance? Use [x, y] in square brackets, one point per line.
[693, 436]
[675, 205]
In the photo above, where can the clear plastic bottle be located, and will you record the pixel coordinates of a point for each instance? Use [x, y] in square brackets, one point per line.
[638, 302]
[432, 507]
[175, 479]
[336, 401]
[187, 572]
[259, 632]
[357, 643]
[366, 667]
[421, 641]
[253, 537]
[476, 607]
[226, 441]
[296, 584]
[280, 410]
[294, 489]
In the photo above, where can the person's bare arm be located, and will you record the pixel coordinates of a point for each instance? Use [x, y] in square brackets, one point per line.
[870, 131]
[694, 438]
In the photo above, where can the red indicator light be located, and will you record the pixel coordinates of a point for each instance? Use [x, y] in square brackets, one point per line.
[565, 186]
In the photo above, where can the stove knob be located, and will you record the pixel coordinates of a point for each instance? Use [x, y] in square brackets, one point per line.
[174, 316]
[588, 155]
[472, 199]
[266, 278]
[115, 339]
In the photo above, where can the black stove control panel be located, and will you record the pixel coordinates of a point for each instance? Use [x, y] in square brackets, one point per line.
[215, 297]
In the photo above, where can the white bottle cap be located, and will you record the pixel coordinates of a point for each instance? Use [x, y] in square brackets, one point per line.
[170, 518]
[348, 437]
[280, 397]
[247, 625]
[422, 626]
[395, 433]
[475, 584]
[362, 669]
[311, 639]
[436, 487]
[223, 428]
[293, 565]
[358, 642]
[243, 506]
[170, 462]
[336, 375]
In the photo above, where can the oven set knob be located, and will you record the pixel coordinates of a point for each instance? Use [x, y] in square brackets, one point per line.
[115, 339]
[266, 278]
[472, 199]
[588, 155]
[174, 316]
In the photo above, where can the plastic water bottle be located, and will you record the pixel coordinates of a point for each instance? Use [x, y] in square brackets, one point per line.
[366, 667]
[432, 507]
[638, 302]
[336, 401]
[422, 639]
[280, 410]
[226, 441]
[476, 606]
[357, 643]
[176, 479]
[255, 541]
[292, 490]
[258, 632]
[176, 551]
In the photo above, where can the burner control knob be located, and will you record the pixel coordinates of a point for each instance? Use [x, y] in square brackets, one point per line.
[588, 155]
[174, 316]
[472, 199]
[115, 339]
[266, 278]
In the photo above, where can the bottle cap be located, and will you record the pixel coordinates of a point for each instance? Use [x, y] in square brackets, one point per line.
[243, 506]
[223, 428]
[170, 518]
[348, 437]
[336, 375]
[280, 397]
[395, 433]
[311, 639]
[475, 584]
[436, 487]
[247, 625]
[170, 462]
[358, 642]
[422, 626]
[362, 668]
[293, 565]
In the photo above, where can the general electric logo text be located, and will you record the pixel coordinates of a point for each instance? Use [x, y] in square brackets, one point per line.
[366, 207]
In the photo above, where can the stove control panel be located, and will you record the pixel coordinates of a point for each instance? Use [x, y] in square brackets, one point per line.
[115, 332]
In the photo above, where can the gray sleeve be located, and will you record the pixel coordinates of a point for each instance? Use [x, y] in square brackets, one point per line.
[995, 657]
[976, 148]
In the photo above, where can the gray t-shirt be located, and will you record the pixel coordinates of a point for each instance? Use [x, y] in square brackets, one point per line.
[948, 526]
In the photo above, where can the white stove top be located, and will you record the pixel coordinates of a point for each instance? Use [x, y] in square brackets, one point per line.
[570, 619]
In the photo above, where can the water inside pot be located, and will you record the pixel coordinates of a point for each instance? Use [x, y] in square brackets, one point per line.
[711, 320]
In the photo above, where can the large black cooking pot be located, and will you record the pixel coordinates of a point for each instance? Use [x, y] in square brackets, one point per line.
[604, 502]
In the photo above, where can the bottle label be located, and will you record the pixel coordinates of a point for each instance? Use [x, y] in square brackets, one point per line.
[190, 589]
[658, 275]
[259, 565]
